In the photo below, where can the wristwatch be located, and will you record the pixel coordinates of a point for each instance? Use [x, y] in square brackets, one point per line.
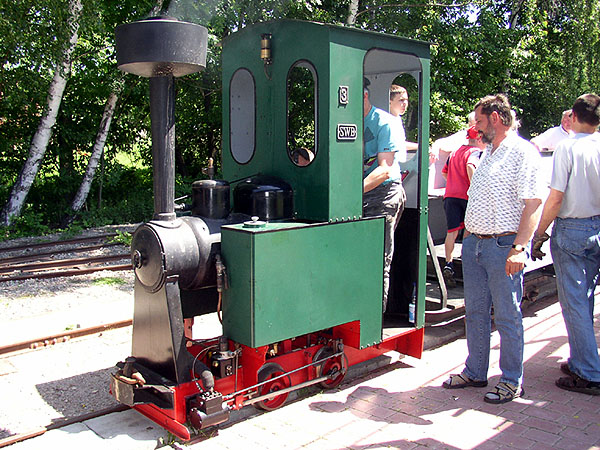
[518, 247]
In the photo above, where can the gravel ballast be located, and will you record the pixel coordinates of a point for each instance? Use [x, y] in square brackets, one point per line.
[39, 387]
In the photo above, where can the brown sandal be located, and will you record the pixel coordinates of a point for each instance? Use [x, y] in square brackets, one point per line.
[577, 384]
[460, 380]
[502, 393]
[564, 368]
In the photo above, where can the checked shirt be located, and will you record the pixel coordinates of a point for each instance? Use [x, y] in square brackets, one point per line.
[503, 179]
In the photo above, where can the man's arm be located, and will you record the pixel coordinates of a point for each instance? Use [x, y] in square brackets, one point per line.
[472, 164]
[515, 261]
[471, 170]
[385, 161]
[550, 211]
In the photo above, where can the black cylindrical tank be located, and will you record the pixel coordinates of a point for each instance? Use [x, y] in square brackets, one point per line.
[210, 198]
[184, 248]
[268, 197]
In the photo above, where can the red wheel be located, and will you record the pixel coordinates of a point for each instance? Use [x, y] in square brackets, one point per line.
[265, 373]
[336, 367]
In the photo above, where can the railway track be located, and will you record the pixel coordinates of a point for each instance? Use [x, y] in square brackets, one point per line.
[45, 259]
[60, 424]
[55, 243]
[46, 341]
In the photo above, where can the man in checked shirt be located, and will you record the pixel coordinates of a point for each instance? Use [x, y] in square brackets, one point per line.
[504, 206]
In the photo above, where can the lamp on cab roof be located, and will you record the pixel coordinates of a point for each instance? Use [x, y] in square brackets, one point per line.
[265, 48]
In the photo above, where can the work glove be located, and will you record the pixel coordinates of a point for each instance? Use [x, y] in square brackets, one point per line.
[536, 245]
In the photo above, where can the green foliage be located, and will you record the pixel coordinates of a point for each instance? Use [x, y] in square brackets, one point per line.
[126, 198]
[122, 237]
[71, 232]
[29, 223]
[301, 108]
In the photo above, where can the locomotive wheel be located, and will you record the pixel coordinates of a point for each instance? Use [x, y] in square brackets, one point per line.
[338, 364]
[266, 372]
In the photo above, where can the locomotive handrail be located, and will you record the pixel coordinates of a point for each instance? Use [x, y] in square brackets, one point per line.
[438, 270]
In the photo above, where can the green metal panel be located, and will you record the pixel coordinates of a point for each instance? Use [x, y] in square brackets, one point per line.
[345, 188]
[287, 280]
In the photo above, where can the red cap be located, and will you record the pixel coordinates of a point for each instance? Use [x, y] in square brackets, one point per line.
[472, 133]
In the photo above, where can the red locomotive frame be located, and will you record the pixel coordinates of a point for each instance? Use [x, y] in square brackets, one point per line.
[291, 364]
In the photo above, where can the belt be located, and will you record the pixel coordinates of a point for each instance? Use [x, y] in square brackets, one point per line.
[490, 236]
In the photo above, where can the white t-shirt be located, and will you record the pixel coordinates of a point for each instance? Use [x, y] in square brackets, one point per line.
[501, 182]
[401, 152]
[451, 143]
[550, 138]
[576, 172]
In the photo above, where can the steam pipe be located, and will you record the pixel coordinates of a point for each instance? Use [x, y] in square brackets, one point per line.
[161, 48]
[162, 116]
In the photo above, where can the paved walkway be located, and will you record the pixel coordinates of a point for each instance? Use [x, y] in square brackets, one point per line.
[398, 406]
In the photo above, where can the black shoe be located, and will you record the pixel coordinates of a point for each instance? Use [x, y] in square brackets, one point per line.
[448, 273]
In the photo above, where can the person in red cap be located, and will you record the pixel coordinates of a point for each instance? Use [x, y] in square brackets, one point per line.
[458, 171]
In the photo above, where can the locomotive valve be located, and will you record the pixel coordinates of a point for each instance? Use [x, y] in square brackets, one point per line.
[137, 259]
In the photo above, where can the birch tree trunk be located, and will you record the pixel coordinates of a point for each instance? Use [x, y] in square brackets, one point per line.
[90, 172]
[352, 12]
[40, 140]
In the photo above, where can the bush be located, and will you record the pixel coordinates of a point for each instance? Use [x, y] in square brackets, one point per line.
[126, 198]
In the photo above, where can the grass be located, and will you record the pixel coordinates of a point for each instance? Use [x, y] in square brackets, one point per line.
[109, 281]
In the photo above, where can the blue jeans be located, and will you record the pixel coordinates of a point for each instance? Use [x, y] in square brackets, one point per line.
[575, 247]
[486, 284]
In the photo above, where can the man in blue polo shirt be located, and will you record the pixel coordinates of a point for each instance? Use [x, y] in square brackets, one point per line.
[382, 183]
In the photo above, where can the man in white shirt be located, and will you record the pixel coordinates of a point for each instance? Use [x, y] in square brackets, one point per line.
[549, 139]
[502, 213]
[443, 147]
[574, 206]
[398, 105]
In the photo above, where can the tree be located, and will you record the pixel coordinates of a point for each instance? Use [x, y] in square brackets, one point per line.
[42, 136]
[95, 156]
[352, 11]
[543, 53]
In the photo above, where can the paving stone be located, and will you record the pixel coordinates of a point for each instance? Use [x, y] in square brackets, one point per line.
[402, 406]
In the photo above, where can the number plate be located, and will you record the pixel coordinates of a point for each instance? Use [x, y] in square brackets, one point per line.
[346, 132]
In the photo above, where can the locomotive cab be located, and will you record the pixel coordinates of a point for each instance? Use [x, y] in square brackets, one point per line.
[279, 248]
[307, 94]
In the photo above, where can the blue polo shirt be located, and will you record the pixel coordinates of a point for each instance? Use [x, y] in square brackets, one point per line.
[381, 135]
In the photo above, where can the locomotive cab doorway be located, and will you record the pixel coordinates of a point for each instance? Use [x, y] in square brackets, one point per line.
[384, 69]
